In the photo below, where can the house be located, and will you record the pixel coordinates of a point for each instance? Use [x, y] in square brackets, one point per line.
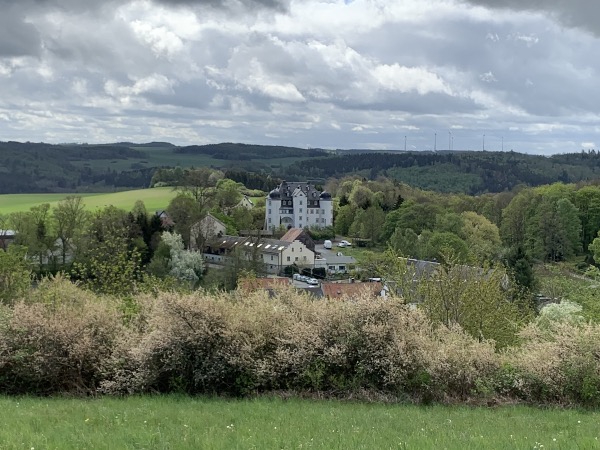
[165, 220]
[269, 284]
[298, 205]
[335, 263]
[298, 234]
[245, 202]
[350, 290]
[206, 230]
[273, 254]
[7, 237]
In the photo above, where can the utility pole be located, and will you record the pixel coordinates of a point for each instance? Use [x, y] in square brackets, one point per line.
[449, 140]
[404, 143]
[435, 142]
[483, 146]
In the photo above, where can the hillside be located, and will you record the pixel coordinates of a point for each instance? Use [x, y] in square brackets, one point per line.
[45, 168]
[470, 172]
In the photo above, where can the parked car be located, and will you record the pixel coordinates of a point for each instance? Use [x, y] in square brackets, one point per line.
[313, 281]
[327, 244]
[341, 244]
[346, 243]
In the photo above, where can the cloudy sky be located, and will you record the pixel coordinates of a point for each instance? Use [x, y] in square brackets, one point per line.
[466, 74]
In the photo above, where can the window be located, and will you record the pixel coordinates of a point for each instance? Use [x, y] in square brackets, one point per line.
[271, 257]
[269, 210]
[296, 258]
[288, 259]
[300, 210]
[301, 202]
[269, 220]
[269, 202]
[300, 249]
[292, 249]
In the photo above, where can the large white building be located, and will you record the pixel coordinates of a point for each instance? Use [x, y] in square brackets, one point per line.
[298, 205]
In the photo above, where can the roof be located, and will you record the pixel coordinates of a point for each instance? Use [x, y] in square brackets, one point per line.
[165, 219]
[287, 189]
[339, 290]
[209, 216]
[265, 245]
[292, 234]
[255, 284]
[338, 259]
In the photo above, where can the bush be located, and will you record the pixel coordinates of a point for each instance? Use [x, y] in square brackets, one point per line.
[62, 339]
[558, 365]
[221, 344]
[57, 342]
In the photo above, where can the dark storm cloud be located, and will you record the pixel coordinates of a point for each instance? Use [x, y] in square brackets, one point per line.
[574, 13]
[18, 38]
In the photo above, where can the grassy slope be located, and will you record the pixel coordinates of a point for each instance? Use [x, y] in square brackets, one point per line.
[154, 199]
[181, 422]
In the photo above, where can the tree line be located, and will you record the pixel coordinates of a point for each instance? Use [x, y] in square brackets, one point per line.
[40, 167]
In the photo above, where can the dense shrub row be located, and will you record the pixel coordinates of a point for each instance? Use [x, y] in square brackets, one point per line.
[65, 340]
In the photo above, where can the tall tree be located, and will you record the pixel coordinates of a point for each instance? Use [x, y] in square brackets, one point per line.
[482, 237]
[70, 219]
[587, 201]
[185, 212]
[555, 229]
[368, 223]
[405, 242]
[15, 273]
[475, 299]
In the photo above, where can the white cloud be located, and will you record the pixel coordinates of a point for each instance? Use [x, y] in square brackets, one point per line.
[407, 79]
[162, 41]
[302, 72]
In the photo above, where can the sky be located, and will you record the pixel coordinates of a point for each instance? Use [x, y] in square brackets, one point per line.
[516, 75]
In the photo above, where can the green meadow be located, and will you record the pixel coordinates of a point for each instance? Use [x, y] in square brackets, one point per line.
[154, 199]
[175, 422]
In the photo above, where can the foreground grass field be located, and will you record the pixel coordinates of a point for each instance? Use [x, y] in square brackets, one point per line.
[182, 422]
[154, 199]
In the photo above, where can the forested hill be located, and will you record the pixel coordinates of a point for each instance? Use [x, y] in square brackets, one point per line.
[39, 167]
[472, 172]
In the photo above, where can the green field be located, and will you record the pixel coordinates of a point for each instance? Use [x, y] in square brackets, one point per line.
[183, 422]
[154, 199]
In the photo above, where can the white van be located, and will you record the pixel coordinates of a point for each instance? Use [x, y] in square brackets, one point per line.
[327, 244]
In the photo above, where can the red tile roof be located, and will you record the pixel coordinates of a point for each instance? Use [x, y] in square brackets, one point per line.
[255, 284]
[340, 290]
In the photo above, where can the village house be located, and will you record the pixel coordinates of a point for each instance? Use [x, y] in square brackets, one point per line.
[245, 202]
[298, 234]
[335, 263]
[206, 230]
[6, 237]
[274, 255]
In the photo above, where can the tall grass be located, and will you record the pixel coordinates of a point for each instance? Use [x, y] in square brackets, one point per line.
[176, 422]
